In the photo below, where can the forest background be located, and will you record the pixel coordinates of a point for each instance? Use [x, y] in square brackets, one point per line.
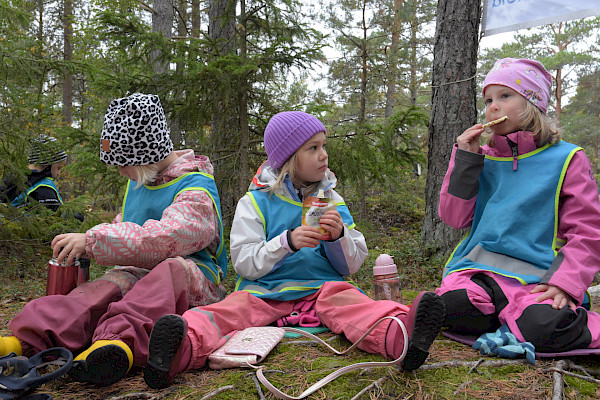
[222, 68]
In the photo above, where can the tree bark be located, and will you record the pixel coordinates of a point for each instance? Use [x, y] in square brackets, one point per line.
[162, 21]
[453, 106]
[390, 96]
[68, 56]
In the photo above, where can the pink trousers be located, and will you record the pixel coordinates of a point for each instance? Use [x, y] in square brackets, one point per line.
[479, 301]
[100, 310]
[339, 305]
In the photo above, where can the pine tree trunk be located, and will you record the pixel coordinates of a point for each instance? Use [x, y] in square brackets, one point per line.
[68, 55]
[243, 179]
[225, 121]
[390, 96]
[453, 106]
[162, 21]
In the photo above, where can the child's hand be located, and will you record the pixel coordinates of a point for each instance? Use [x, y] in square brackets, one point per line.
[68, 245]
[333, 222]
[306, 236]
[561, 298]
[469, 139]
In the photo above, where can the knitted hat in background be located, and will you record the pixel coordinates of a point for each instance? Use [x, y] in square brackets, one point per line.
[286, 132]
[45, 150]
[527, 77]
[135, 131]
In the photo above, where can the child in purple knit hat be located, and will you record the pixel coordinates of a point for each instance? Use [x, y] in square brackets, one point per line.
[531, 205]
[285, 268]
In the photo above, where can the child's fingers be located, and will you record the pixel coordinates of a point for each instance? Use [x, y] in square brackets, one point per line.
[305, 236]
[469, 139]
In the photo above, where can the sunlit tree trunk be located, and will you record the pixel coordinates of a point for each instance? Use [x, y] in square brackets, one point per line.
[453, 106]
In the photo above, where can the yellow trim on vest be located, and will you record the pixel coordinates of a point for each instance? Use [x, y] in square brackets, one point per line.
[48, 186]
[457, 246]
[288, 200]
[557, 195]
[260, 214]
[287, 289]
[521, 280]
[238, 282]
[216, 278]
[177, 180]
[522, 156]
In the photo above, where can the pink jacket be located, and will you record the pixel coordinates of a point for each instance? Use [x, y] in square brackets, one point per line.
[189, 224]
[578, 209]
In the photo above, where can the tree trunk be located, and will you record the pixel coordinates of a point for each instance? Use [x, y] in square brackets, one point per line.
[196, 18]
[453, 106]
[244, 179]
[226, 118]
[162, 21]
[181, 18]
[390, 96]
[68, 56]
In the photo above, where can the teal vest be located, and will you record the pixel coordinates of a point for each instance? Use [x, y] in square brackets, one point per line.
[149, 202]
[516, 215]
[19, 201]
[301, 273]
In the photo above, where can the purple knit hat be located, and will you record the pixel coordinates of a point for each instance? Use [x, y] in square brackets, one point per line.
[528, 77]
[286, 132]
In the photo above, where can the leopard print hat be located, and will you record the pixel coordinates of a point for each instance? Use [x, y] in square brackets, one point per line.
[135, 132]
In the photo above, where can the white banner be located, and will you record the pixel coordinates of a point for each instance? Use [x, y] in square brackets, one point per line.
[510, 15]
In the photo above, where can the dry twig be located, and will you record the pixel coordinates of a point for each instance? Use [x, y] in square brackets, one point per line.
[366, 389]
[257, 384]
[217, 391]
[557, 376]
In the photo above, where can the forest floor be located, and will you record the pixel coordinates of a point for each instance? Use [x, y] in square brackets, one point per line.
[452, 371]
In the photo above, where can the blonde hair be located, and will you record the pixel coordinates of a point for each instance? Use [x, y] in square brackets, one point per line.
[545, 129]
[289, 168]
[145, 174]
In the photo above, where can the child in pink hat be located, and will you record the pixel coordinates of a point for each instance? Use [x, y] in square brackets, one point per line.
[531, 205]
[282, 264]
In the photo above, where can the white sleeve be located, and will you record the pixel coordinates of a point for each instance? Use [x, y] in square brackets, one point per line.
[251, 255]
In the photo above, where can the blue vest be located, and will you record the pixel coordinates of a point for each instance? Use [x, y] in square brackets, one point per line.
[19, 201]
[301, 273]
[149, 202]
[516, 215]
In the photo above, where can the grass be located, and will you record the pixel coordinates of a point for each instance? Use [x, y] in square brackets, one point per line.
[392, 226]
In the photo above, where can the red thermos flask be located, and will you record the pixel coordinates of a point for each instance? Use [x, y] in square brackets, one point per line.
[63, 278]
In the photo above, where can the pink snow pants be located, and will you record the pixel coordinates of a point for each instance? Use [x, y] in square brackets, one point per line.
[339, 305]
[480, 301]
[99, 310]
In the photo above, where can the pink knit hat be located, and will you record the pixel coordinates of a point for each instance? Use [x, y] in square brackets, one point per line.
[286, 132]
[528, 77]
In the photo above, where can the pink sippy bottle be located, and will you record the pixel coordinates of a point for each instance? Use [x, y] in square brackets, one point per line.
[386, 282]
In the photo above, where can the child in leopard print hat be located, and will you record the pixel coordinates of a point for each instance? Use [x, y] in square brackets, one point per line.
[167, 244]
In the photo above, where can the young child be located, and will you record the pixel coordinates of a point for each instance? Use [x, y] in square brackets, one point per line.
[46, 158]
[282, 263]
[171, 210]
[531, 203]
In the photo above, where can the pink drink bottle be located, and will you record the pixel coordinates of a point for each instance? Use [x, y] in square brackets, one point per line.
[386, 282]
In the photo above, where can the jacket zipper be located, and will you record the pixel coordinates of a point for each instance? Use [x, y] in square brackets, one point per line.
[515, 152]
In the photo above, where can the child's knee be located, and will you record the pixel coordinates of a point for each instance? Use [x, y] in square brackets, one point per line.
[549, 329]
[464, 312]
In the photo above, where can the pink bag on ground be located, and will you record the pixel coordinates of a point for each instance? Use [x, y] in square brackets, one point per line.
[246, 348]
